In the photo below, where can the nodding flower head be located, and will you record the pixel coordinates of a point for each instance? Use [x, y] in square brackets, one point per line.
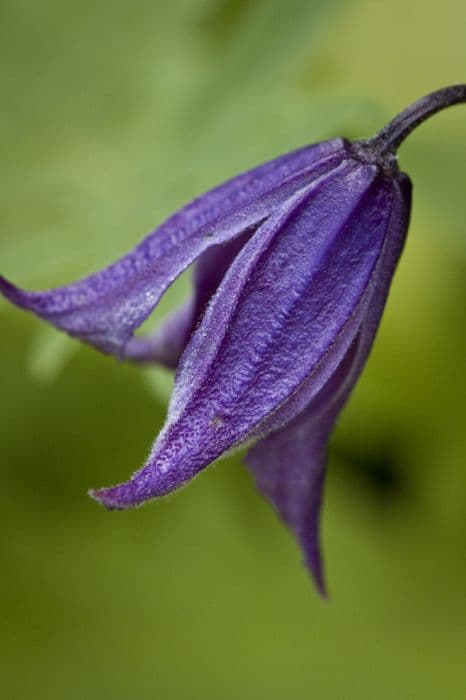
[293, 262]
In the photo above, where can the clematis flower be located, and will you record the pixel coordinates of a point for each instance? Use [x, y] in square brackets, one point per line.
[293, 262]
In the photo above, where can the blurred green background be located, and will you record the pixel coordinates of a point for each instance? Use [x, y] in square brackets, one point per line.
[112, 115]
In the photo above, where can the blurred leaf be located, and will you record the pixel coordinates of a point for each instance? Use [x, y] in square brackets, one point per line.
[49, 353]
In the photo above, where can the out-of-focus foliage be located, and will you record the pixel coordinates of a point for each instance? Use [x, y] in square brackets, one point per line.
[113, 114]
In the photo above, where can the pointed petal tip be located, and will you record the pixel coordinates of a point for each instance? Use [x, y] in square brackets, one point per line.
[111, 498]
[322, 591]
[320, 585]
[7, 289]
[314, 566]
[16, 295]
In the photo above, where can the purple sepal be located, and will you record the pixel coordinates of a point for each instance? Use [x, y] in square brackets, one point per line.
[289, 463]
[167, 343]
[105, 308]
[289, 467]
[293, 263]
[289, 293]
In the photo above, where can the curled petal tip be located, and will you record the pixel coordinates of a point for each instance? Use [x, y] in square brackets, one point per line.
[7, 289]
[112, 498]
[322, 590]
[313, 562]
[17, 295]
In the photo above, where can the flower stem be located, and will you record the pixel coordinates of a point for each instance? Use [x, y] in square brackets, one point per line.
[394, 133]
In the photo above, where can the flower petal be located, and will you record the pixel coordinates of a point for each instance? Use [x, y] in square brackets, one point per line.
[364, 321]
[284, 300]
[289, 293]
[167, 343]
[289, 467]
[105, 308]
[289, 463]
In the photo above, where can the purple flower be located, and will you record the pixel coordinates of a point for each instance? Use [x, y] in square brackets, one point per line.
[293, 263]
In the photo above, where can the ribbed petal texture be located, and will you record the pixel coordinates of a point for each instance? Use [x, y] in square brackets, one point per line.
[288, 295]
[166, 345]
[289, 463]
[105, 309]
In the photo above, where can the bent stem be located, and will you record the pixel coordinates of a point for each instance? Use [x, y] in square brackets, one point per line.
[388, 140]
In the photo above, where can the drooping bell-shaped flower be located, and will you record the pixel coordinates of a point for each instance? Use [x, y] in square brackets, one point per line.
[293, 264]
